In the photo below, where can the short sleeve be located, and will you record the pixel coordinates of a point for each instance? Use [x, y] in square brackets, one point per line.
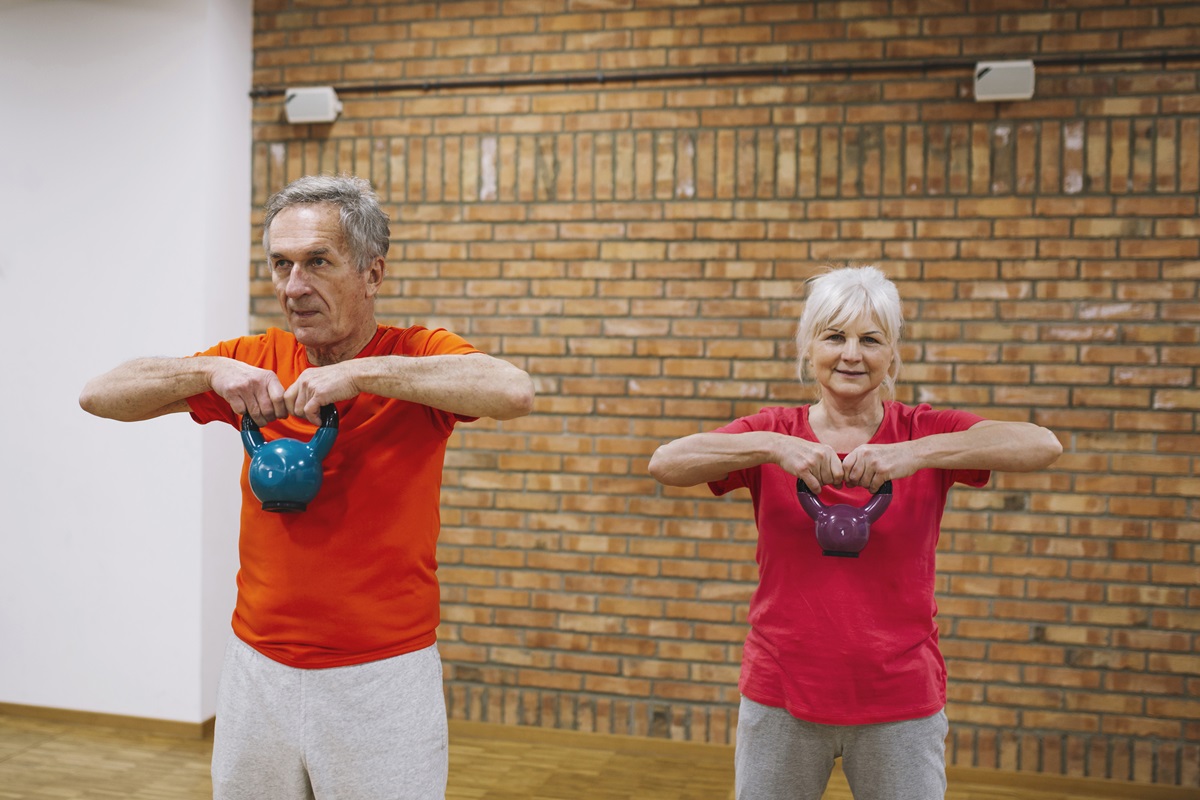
[741, 478]
[927, 422]
[211, 407]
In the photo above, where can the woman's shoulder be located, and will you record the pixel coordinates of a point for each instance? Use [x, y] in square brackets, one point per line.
[923, 419]
[781, 419]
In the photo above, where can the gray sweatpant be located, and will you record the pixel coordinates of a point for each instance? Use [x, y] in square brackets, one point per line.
[374, 731]
[779, 757]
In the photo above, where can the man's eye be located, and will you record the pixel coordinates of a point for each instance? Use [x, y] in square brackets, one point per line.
[319, 262]
[282, 266]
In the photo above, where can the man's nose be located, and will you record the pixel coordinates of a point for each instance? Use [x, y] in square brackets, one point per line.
[297, 283]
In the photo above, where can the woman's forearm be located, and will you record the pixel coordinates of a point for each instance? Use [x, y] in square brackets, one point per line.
[991, 445]
[704, 457]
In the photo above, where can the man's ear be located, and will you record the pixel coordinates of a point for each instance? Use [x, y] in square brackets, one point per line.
[375, 272]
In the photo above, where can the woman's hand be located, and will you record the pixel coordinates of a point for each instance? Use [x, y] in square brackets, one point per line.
[812, 462]
[872, 465]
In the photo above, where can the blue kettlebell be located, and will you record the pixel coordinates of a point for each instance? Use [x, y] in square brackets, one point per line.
[286, 474]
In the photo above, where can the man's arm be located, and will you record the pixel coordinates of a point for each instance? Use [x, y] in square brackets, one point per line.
[472, 385]
[150, 387]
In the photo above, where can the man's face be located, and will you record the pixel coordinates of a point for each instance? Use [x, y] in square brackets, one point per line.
[329, 303]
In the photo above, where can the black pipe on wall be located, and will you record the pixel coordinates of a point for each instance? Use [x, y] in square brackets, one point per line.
[1162, 57]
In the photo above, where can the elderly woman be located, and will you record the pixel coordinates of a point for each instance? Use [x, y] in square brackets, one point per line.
[842, 655]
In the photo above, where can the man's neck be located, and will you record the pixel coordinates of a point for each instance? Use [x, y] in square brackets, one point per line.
[323, 357]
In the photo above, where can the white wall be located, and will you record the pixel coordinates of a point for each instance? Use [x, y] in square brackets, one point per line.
[124, 199]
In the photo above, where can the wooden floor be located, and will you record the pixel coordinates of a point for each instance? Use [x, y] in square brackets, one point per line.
[50, 760]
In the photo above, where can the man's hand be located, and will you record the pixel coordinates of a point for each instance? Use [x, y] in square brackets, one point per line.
[249, 390]
[320, 386]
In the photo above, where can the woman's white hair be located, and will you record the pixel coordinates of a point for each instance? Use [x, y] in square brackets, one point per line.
[840, 296]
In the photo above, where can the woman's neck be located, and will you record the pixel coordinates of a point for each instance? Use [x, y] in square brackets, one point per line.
[844, 426]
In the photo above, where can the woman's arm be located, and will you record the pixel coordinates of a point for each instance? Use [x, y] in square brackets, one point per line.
[986, 445]
[991, 445]
[704, 457]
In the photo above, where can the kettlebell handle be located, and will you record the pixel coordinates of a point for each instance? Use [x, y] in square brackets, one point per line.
[801, 486]
[814, 506]
[329, 419]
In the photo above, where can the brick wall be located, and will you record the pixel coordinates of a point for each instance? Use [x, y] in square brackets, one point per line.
[640, 246]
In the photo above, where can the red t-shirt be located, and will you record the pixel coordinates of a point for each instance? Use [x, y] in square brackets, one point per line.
[353, 578]
[847, 641]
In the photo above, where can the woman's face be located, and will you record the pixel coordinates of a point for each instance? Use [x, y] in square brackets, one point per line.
[851, 360]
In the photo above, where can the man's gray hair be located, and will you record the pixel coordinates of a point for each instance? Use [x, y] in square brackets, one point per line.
[364, 224]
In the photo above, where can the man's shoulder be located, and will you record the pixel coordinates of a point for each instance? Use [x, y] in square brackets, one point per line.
[252, 346]
[417, 340]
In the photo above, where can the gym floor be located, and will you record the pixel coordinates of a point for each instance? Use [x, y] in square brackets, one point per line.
[43, 759]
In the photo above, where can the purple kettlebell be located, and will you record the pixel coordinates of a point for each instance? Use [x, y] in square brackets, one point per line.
[843, 530]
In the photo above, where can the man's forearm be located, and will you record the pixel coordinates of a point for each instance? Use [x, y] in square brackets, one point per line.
[474, 385]
[145, 388]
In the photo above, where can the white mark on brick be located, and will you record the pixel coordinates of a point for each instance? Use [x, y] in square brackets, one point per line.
[1105, 311]
[487, 168]
[278, 153]
[687, 185]
[1073, 140]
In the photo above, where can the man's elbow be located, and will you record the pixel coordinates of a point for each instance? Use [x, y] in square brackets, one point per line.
[517, 400]
[93, 403]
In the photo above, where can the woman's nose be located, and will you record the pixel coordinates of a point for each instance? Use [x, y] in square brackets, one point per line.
[850, 351]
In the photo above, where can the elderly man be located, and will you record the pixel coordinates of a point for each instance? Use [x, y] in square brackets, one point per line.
[332, 685]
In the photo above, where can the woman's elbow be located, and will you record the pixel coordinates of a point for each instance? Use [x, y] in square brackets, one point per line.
[1051, 448]
[662, 468]
[655, 467]
[1037, 449]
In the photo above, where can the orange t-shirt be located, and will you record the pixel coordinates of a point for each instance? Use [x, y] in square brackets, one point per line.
[353, 578]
